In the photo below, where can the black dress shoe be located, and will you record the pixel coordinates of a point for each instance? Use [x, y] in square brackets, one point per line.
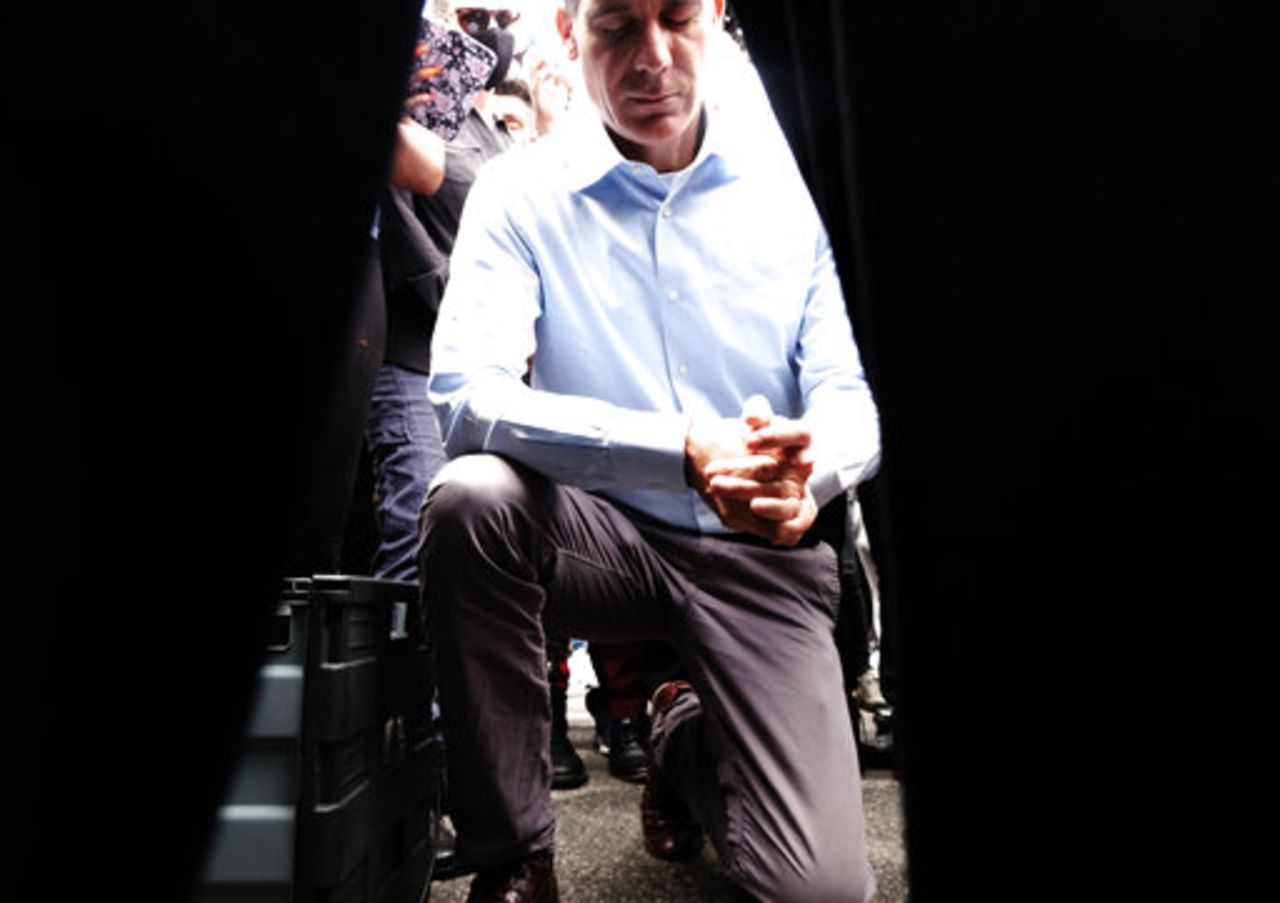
[567, 770]
[528, 880]
[628, 758]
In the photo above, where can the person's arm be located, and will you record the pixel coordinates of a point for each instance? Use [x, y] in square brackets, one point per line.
[484, 337]
[550, 91]
[838, 407]
[793, 467]
[418, 161]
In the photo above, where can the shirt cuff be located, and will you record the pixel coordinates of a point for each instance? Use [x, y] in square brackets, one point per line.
[647, 450]
[825, 486]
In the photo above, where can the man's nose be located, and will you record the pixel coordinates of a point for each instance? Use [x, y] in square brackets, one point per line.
[654, 54]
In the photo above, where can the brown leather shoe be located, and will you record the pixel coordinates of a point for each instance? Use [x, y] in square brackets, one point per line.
[670, 832]
[528, 880]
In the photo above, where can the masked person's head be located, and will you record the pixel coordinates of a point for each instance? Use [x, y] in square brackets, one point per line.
[642, 63]
[490, 24]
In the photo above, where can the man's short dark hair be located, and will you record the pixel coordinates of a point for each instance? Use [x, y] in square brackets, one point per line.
[514, 87]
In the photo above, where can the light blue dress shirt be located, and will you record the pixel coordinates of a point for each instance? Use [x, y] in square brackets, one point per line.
[645, 299]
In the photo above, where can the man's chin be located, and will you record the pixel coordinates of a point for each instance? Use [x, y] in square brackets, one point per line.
[657, 129]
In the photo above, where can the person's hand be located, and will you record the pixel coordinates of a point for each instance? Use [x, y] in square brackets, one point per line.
[550, 92]
[419, 95]
[754, 472]
[777, 494]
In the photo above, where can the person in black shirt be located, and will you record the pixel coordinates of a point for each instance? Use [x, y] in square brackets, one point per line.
[419, 219]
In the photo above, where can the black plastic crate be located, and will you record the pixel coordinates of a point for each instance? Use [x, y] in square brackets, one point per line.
[337, 793]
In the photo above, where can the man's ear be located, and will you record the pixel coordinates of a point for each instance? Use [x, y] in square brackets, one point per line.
[564, 25]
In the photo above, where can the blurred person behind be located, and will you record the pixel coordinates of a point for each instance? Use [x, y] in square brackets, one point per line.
[421, 208]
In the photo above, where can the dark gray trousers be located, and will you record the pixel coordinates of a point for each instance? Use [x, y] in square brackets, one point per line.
[764, 756]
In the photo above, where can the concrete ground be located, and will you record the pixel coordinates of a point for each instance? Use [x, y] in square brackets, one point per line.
[600, 858]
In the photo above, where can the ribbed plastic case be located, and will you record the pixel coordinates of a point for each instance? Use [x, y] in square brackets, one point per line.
[336, 795]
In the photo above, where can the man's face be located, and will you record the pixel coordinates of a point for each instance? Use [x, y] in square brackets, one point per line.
[641, 62]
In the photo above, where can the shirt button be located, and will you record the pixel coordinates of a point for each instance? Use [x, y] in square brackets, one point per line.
[683, 369]
[666, 211]
[673, 295]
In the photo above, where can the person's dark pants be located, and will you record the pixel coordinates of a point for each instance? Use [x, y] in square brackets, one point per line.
[630, 672]
[403, 441]
[764, 756]
[854, 635]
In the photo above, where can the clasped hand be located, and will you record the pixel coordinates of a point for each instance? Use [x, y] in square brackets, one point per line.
[754, 472]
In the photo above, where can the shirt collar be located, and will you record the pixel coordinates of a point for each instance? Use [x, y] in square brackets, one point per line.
[594, 155]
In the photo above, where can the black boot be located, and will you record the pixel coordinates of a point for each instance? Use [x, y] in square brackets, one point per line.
[567, 770]
[628, 758]
[624, 741]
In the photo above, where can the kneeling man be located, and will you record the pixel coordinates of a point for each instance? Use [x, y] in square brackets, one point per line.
[648, 385]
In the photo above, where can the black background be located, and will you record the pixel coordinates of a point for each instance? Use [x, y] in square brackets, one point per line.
[1056, 248]
[1057, 240]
